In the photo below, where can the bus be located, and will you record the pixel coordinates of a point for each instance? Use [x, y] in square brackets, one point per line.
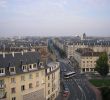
[69, 75]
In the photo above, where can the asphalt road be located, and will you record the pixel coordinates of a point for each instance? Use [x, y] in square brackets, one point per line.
[78, 84]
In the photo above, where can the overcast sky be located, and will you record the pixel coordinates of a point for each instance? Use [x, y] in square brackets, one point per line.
[54, 17]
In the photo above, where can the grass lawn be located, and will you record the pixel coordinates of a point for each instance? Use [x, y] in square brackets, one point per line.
[100, 82]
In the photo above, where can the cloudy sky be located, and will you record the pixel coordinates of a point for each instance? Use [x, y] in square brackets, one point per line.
[54, 17]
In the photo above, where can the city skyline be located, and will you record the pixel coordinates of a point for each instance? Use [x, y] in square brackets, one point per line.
[54, 17]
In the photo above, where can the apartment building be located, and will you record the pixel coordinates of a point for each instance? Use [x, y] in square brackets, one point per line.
[86, 58]
[24, 77]
[95, 45]
[52, 81]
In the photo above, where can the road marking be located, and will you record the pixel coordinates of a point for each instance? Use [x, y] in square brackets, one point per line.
[82, 91]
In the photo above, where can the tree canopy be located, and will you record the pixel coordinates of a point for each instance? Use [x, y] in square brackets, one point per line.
[102, 64]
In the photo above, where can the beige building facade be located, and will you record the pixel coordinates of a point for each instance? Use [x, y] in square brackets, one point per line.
[87, 59]
[24, 77]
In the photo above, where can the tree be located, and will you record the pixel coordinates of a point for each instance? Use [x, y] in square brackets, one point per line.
[102, 64]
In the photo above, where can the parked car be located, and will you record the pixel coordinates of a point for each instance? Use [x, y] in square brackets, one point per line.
[66, 91]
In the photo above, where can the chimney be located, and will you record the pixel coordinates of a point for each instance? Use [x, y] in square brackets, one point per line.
[3, 54]
[13, 54]
[22, 53]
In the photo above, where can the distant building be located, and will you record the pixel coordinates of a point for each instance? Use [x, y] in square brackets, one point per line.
[87, 58]
[83, 37]
[23, 76]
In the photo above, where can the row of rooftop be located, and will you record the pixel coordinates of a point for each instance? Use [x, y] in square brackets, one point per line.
[16, 45]
[87, 52]
[18, 63]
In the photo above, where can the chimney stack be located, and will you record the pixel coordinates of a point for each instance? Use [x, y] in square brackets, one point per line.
[3, 54]
[13, 54]
[22, 53]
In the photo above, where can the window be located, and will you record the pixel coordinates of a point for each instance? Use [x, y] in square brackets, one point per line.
[52, 89]
[22, 78]
[37, 83]
[30, 76]
[48, 91]
[83, 61]
[37, 74]
[48, 77]
[2, 92]
[1, 83]
[48, 84]
[12, 80]
[87, 69]
[24, 67]
[30, 85]
[52, 76]
[48, 99]
[13, 90]
[2, 71]
[13, 98]
[34, 65]
[22, 87]
[30, 66]
[12, 69]
[41, 63]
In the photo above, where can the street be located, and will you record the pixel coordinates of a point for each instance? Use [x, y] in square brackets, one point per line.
[78, 84]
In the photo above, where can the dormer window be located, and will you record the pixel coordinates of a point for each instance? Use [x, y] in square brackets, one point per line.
[12, 70]
[30, 66]
[24, 68]
[2, 71]
[41, 64]
[34, 66]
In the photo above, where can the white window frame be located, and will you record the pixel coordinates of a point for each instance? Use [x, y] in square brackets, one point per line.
[34, 67]
[25, 68]
[10, 70]
[2, 70]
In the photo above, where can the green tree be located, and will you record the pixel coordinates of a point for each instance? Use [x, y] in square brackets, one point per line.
[102, 64]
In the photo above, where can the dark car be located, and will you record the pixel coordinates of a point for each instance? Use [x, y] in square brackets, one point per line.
[65, 90]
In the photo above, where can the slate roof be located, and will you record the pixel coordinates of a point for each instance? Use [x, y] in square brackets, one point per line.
[88, 52]
[18, 60]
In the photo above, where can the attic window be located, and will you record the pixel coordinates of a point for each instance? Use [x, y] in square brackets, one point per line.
[41, 63]
[34, 65]
[30, 66]
[12, 69]
[24, 67]
[2, 71]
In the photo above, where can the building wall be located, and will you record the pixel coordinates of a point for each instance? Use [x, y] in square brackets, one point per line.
[53, 84]
[28, 92]
[86, 63]
[39, 89]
